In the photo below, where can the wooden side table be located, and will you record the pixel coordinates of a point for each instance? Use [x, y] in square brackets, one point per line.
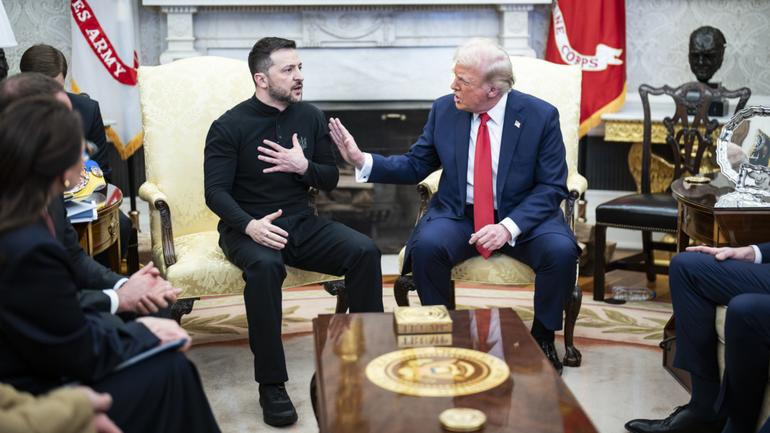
[701, 221]
[103, 234]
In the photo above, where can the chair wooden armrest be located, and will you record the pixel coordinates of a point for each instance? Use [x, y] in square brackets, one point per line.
[150, 193]
[426, 188]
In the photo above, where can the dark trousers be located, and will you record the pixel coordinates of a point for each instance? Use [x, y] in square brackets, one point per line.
[321, 246]
[747, 354]
[438, 244]
[699, 283]
[161, 394]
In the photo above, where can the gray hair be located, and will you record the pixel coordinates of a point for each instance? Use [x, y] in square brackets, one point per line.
[490, 59]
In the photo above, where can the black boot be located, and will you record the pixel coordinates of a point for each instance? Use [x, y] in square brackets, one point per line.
[683, 420]
[277, 409]
[550, 352]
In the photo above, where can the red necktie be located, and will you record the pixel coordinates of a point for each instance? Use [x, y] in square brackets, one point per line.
[483, 199]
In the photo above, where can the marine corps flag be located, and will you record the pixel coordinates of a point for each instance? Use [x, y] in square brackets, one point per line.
[592, 35]
[104, 64]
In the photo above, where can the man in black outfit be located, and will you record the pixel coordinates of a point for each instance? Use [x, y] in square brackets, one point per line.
[261, 157]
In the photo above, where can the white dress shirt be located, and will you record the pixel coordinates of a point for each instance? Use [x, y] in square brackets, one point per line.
[495, 127]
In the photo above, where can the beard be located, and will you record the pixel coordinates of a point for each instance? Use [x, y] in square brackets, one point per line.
[284, 95]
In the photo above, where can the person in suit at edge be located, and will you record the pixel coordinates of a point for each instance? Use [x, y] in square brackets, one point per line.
[504, 177]
[50, 343]
[143, 293]
[701, 279]
[49, 61]
[261, 158]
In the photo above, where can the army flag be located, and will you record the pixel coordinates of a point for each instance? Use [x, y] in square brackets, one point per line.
[592, 35]
[104, 63]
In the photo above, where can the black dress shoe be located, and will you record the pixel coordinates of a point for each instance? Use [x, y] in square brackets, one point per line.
[550, 352]
[682, 420]
[277, 409]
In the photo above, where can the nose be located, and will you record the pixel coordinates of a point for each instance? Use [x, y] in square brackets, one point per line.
[454, 84]
[298, 76]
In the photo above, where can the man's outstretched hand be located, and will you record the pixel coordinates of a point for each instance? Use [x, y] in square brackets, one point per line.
[346, 143]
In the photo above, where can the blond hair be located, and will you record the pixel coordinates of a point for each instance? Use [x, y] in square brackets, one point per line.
[490, 59]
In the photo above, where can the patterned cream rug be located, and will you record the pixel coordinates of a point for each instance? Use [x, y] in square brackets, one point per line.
[223, 318]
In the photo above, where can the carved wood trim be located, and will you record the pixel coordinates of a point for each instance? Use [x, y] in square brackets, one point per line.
[166, 233]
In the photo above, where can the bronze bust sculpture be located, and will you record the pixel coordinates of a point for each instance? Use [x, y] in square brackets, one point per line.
[707, 49]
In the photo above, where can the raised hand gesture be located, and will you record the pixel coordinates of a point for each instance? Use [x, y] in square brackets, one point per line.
[346, 143]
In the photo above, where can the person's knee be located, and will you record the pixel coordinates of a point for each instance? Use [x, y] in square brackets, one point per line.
[559, 251]
[747, 307]
[368, 249]
[263, 265]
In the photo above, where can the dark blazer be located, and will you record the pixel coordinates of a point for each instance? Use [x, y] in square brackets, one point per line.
[93, 126]
[90, 276]
[46, 338]
[765, 250]
[531, 174]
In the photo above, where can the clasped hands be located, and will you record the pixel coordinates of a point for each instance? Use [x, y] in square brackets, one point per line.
[146, 292]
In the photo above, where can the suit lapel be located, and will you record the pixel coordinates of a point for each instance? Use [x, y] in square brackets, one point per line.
[462, 141]
[512, 125]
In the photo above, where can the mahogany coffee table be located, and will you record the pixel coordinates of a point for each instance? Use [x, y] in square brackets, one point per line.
[532, 399]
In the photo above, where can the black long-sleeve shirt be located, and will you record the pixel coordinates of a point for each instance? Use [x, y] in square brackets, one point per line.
[236, 188]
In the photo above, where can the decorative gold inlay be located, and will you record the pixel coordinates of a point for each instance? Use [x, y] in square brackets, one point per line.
[437, 371]
[462, 419]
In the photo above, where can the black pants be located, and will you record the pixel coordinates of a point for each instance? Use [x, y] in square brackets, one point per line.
[314, 244]
[161, 394]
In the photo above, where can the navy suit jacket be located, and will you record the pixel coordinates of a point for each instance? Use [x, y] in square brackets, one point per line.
[46, 337]
[93, 127]
[531, 175]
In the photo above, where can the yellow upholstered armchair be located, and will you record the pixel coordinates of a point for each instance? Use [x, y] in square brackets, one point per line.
[560, 86]
[179, 102]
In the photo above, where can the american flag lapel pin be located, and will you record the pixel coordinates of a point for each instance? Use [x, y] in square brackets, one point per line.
[517, 124]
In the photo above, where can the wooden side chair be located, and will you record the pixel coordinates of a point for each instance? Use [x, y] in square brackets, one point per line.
[648, 211]
[560, 86]
[179, 102]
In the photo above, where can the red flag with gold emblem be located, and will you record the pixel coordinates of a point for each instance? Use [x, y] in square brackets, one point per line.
[592, 35]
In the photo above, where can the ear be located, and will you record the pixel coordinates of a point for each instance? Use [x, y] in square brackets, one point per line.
[260, 80]
[494, 92]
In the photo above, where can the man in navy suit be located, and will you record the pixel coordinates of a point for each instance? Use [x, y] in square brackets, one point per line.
[504, 178]
[700, 280]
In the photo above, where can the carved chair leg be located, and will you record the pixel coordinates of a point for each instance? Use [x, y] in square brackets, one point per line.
[600, 245]
[182, 307]
[401, 289]
[337, 288]
[452, 304]
[649, 255]
[572, 356]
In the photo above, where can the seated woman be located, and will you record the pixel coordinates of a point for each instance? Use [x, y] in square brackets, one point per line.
[46, 339]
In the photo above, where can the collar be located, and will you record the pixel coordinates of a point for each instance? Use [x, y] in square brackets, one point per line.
[266, 109]
[496, 113]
